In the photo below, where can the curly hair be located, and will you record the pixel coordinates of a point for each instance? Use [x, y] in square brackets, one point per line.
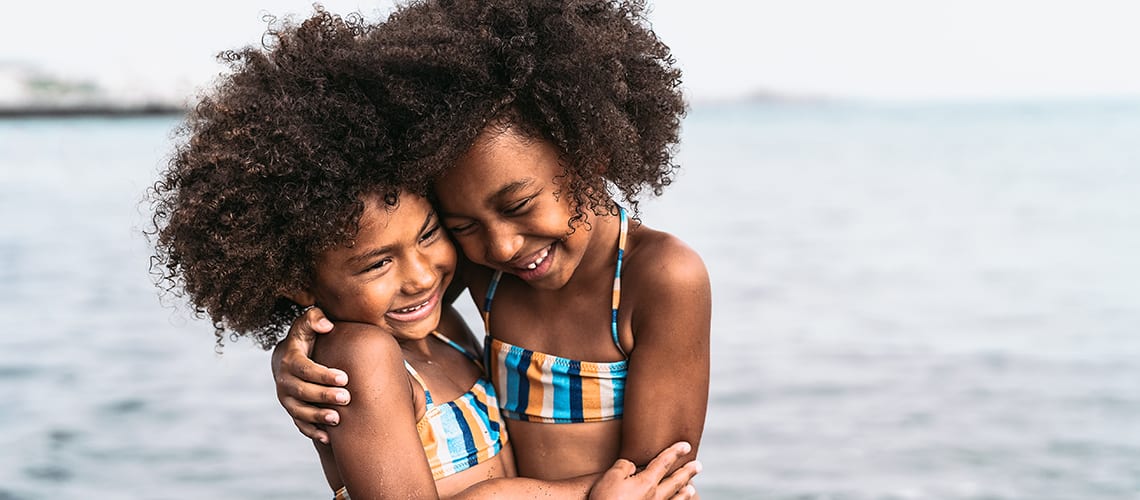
[268, 172]
[589, 76]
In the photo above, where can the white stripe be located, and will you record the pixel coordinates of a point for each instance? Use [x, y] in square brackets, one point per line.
[606, 394]
[443, 451]
[547, 379]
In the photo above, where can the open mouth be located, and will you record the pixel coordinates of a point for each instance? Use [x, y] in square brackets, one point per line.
[539, 259]
[416, 312]
[539, 263]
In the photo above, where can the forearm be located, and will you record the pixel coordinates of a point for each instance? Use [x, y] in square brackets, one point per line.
[526, 488]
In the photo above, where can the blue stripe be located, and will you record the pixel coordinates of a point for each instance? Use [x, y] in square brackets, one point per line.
[491, 292]
[613, 329]
[523, 388]
[466, 459]
[574, 374]
[512, 383]
[561, 384]
[492, 425]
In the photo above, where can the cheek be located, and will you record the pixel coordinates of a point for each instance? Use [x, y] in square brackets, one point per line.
[472, 249]
[445, 257]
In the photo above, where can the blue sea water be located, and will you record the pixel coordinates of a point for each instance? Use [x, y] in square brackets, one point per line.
[911, 301]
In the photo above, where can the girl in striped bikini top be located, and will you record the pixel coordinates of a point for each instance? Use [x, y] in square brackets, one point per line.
[541, 387]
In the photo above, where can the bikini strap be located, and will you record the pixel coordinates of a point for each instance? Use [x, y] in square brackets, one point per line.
[443, 338]
[416, 375]
[617, 278]
[487, 303]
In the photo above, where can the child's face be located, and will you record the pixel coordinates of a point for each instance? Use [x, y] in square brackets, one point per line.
[394, 275]
[502, 204]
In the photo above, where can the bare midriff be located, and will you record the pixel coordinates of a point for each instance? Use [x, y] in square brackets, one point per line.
[561, 451]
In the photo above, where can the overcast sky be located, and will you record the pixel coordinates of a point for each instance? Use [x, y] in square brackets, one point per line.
[861, 48]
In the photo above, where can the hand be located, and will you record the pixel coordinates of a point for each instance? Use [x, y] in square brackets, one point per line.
[622, 481]
[301, 383]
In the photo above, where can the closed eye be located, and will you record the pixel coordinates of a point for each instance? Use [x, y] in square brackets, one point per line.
[430, 234]
[518, 206]
[461, 228]
[380, 264]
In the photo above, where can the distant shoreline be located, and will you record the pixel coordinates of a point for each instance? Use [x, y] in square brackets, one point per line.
[109, 111]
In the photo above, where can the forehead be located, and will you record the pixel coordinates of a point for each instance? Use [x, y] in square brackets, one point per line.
[499, 162]
[383, 224]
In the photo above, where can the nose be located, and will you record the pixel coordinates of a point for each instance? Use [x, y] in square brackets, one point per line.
[502, 243]
[419, 274]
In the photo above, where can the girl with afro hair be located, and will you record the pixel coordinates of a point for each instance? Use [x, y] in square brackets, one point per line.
[288, 191]
[534, 119]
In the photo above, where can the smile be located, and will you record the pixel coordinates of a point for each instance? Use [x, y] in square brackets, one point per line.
[538, 258]
[410, 309]
[415, 312]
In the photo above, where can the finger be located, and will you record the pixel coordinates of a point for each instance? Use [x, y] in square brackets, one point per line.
[687, 492]
[677, 482]
[297, 368]
[310, 393]
[622, 468]
[302, 411]
[317, 321]
[313, 432]
[664, 461]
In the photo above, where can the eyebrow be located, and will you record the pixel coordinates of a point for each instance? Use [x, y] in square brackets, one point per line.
[361, 258]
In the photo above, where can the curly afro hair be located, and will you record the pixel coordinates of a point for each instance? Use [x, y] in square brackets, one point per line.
[269, 171]
[589, 76]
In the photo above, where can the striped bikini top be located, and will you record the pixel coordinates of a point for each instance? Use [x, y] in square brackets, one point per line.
[461, 433]
[539, 387]
[464, 432]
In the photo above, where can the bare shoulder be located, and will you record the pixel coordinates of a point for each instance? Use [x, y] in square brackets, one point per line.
[659, 259]
[669, 296]
[355, 345]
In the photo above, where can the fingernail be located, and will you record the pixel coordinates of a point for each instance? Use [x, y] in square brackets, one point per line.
[324, 440]
[342, 397]
[698, 466]
[332, 418]
[324, 324]
[686, 447]
[341, 378]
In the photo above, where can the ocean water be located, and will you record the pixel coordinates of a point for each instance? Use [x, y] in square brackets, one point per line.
[911, 301]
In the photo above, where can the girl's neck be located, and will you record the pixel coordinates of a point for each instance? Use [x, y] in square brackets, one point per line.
[599, 260]
[417, 348]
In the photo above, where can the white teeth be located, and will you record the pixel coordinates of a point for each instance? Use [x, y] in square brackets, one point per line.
[540, 259]
[410, 309]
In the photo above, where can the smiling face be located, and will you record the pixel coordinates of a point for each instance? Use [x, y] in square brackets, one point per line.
[506, 209]
[395, 273]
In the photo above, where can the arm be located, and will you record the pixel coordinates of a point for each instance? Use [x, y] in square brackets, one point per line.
[670, 321]
[376, 448]
[621, 481]
[301, 383]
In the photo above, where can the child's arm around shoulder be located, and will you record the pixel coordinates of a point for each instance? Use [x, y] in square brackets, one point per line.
[377, 432]
[668, 381]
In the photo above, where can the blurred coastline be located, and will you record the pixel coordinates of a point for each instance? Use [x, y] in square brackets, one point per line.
[27, 91]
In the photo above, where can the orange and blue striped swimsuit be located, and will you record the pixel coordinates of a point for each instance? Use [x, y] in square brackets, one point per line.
[539, 387]
[461, 433]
